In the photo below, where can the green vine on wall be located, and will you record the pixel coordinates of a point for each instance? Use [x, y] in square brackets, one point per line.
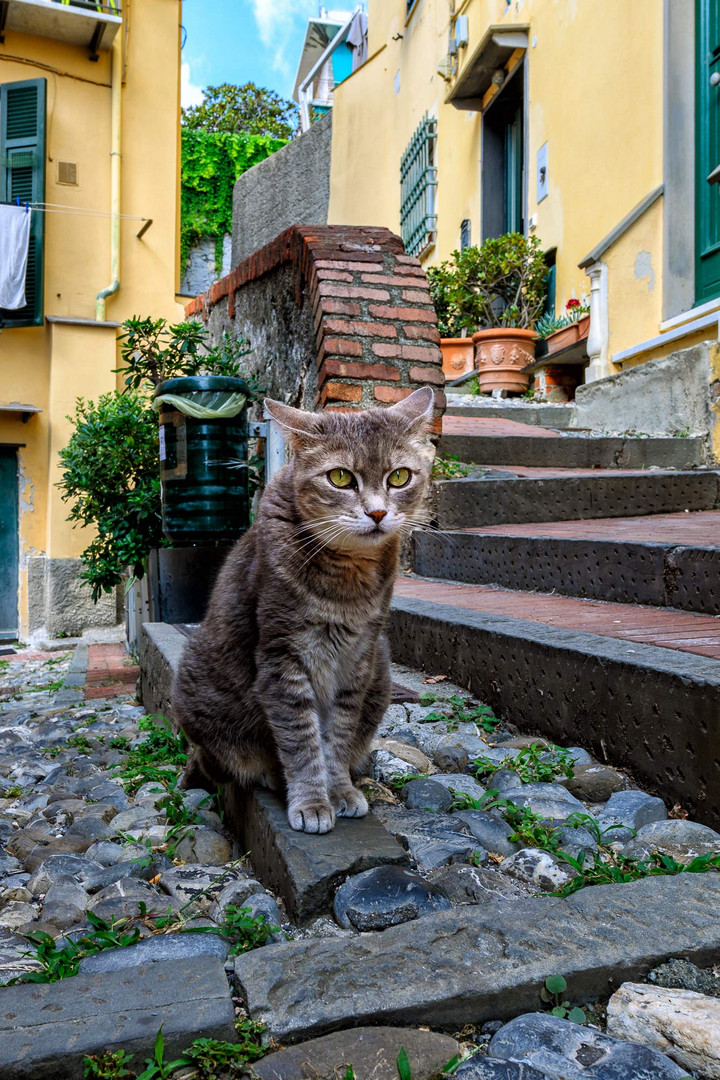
[211, 163]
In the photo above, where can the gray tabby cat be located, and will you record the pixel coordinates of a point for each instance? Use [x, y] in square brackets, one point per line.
[288, 676]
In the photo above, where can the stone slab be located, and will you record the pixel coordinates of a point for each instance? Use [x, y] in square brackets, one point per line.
[47, 1029]
[305, 869]
[372, 1053]
[489, 962]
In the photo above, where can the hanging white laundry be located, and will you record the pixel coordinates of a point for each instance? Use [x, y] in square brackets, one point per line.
[14, 243]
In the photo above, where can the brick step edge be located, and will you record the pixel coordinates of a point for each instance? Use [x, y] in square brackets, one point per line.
[652, 711]
[510, 500]
[660, 575]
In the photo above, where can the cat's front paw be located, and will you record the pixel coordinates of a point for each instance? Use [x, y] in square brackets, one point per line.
[349, 802]
[315, 816]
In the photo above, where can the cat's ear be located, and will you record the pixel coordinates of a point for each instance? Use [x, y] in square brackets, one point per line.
[416, 409]
[303, 427]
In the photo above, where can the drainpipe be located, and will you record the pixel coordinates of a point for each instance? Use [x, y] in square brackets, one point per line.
[115, 161]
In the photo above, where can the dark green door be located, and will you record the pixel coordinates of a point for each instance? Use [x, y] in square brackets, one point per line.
[8, 544]
[707, 137]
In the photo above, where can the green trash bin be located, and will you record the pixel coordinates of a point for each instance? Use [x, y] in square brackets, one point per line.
[203, 443]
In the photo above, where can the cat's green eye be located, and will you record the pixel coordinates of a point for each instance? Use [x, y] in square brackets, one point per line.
[399, 478]
[340, 478]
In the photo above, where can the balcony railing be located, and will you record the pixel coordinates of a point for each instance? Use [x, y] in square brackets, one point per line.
[87, 23]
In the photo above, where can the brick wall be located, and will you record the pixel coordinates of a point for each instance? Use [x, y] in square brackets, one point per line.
[375, 331]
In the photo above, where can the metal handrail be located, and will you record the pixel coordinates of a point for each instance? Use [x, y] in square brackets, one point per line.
[112, 7]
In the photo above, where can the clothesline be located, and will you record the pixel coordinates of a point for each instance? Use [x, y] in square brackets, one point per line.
[62, 208]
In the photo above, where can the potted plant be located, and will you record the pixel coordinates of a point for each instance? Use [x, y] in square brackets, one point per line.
[456, 345]
[558, 333]
[202, 405]
[497, 292]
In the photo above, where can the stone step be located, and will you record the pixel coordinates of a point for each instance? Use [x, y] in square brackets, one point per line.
[668, 560]
[482, 963]
[550, 416]
[649, 709]
[512, 498]
[506, 442]
[47, 1029]
[302, 868]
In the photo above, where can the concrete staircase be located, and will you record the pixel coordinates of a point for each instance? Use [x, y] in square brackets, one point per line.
[574, 584]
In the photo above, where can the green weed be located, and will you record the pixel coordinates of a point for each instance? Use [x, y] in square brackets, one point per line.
[463, 712]
[149, 761]
[112, 1065]
[61, 963]
[536, 764]
[80, 742]
[449, 467]
[553, 992]
[51, 687]
[610, 868]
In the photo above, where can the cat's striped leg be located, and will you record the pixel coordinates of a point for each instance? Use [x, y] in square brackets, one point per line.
[289, 706]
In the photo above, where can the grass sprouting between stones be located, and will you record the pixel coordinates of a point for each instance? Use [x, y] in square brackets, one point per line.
[536, 764]
[211, 1059]
[464, 711]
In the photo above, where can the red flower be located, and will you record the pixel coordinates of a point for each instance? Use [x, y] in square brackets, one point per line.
[572, 303]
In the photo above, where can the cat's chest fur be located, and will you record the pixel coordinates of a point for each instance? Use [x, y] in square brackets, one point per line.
[333, 653]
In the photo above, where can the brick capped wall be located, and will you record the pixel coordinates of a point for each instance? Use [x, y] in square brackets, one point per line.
[375, 330]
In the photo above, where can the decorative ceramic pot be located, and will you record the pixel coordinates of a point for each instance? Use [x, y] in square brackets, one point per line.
[500, 356]
[458, 356]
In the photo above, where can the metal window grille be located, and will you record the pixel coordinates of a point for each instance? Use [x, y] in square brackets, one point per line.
[418, 183]
[465, 234]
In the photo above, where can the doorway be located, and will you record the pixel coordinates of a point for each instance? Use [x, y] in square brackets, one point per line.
[9, 544]
[503, 159]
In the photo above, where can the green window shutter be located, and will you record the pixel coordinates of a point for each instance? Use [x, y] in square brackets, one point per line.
[22, 176]
[418, 181]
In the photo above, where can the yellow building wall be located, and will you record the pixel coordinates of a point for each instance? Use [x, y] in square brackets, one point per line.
[594, 94]
[50, 366]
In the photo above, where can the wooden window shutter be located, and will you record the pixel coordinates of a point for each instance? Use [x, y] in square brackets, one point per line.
[22, 176]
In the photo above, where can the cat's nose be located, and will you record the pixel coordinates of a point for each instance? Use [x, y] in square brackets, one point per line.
[376, 515]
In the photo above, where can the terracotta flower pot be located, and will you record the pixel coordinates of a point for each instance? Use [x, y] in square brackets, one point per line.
[500, 355]
[569, 335]
[458, 356]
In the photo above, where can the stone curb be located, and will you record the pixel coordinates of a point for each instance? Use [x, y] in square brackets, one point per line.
[47, 1029]
[474, 964]
[304, 869]
[72, 690]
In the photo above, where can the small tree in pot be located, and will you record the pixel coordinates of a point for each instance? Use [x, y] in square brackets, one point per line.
[497, 292]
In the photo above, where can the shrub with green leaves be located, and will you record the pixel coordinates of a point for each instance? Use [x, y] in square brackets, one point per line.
[111, 479]
[501, 283]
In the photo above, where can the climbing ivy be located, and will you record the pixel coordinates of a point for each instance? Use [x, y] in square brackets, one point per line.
[211, 163]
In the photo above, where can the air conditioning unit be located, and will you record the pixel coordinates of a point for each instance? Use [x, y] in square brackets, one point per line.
[462, 32]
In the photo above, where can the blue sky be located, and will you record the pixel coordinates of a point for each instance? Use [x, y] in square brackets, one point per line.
[240, 41]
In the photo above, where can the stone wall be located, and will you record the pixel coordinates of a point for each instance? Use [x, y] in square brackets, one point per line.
[670, 396]
[338, 317]
[60, 602]
[290, 186]
[201, 269]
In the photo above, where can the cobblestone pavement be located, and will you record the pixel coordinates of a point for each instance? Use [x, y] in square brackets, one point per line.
[106, 864]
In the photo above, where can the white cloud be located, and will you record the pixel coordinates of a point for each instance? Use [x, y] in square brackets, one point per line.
[277, 22]
[189, 93]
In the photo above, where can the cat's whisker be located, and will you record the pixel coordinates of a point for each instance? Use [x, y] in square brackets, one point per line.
[324, 545]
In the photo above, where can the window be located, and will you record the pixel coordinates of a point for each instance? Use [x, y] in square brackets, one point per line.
[22, 176]
[503, 160]
[465, 234]
[418, 181]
